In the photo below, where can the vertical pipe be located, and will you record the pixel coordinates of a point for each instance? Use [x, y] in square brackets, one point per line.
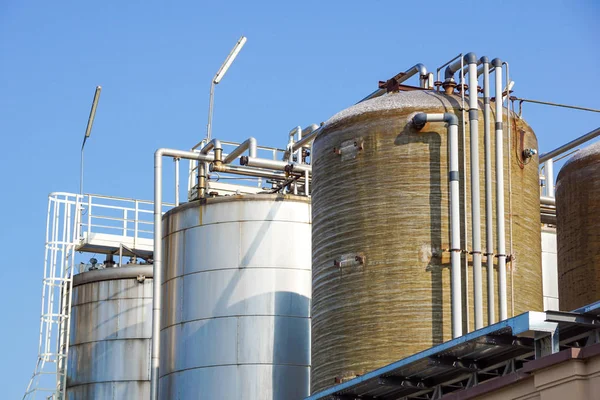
[453, 177]
[157, 257]
[176, 159]
[500, 229]
[157, 274]
[210, 110]
[471, 59]
[464, 162]
[306, 183]
[549, 175]
[455, 231]
[489, 229]
[509, 85]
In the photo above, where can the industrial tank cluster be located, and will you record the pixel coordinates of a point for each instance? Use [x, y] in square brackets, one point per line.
[397, 255]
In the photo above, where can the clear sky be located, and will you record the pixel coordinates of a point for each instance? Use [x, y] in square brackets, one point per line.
[303, 62]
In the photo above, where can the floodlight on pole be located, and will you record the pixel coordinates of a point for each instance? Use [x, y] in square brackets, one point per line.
[218, 76]
[88, 132]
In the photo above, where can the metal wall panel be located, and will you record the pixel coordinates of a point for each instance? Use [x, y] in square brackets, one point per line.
[236, 299]
[549, 269]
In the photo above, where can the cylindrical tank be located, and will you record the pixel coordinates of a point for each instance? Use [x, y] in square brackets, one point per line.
[578, 229]
[111, 327]
[236, 299]
[381, 283]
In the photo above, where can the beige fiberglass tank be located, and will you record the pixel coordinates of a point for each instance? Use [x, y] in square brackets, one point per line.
[578, 229]
[381, 282]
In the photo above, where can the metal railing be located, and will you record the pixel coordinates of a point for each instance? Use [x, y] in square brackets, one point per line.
[272, 153]
[123, 217]
[73, 220]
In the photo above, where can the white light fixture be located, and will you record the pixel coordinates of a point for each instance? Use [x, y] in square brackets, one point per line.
[228, 61]
[88, 132]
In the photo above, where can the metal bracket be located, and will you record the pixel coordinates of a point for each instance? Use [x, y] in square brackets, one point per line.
[349, 149]
[350, 260]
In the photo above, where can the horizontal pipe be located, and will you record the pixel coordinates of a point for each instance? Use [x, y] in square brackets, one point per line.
[249, 144]
[246, 171]
[572, 144]
[109, 274]
[547, 201]
[274, 164]
[548, 218]
[401, 77]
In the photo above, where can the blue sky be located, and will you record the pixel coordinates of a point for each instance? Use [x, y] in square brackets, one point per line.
[303, 62]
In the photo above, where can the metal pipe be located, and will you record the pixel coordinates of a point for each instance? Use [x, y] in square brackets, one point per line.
[307, 137]
[306, 184]
[549, 175]
[572, 144]
[489, 228]
[509, 86]
[210, 109]
[460, 56]
[290, 152]
[452, 68]
[274, 164]
[547, 201]
[176, 160]
[500, 229]
[547, 103]
[464, 165]
[471, 59]
[202, 176]
[246, 171]
[157, 256]
[249, 144]
[108, 274]
[456, 291]
[403, 76]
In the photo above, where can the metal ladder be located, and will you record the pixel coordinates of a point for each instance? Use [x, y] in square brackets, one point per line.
[62, 235]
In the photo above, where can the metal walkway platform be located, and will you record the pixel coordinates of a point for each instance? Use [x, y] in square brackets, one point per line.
[474, 358]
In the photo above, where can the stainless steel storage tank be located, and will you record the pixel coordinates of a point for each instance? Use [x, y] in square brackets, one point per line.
[111, 326]
[578, 229]
[381, 284]
[236, 294]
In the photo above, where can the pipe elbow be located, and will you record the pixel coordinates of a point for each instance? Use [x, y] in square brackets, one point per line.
[449, 73]
[159, 153]
[497, 63]
[252, 146]
[470, 58]
[421, 69]
[451, 119]
[484, 60]
[217, 144]
[420, 119]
